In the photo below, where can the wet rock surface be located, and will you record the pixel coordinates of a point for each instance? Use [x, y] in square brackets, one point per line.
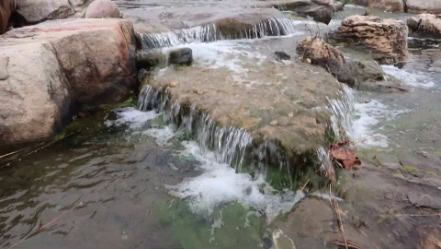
[271, 102]
[425, 26]
[323, 54]
[52, 66]
[148, 60]
[386, 39]
[182, 56]
[369, 76]
[364, 75]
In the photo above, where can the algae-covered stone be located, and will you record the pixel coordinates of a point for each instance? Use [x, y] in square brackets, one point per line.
[282, 106]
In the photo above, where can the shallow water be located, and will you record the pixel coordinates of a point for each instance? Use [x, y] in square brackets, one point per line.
[128, 179]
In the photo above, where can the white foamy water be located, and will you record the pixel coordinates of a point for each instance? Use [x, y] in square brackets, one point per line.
[223, 54]
[132, 117]
[161, 135]
[220, 184]
[413, 79]
[366, 117]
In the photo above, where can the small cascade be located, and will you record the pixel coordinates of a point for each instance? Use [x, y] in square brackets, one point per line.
[342, 109]
[236, 147]
[213, 32]
[230, 144]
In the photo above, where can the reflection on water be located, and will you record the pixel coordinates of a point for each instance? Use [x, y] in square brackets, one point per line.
[98, 193]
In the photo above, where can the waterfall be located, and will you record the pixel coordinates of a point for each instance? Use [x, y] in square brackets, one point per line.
[236, 147]
[231, 144]
[342, 109]
[212, 33]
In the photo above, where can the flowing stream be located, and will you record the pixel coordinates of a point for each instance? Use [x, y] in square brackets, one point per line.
[131, 178]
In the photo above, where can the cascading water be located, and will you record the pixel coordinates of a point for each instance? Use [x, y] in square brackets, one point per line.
[235, 146]
[230, 144]
[211, 33]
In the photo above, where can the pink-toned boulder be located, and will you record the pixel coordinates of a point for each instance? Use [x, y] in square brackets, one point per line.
[36, 11]
[103, 9]
[47, 69]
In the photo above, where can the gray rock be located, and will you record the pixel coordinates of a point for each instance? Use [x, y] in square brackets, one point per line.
[142, 74]
[147, 59]
[424, 201]
[425, 26]
[362, 75]
[182, 56]
[366, 70]
[103, 9]
[338, 6]
[282, 55]
[35, 11]
[369, 76]
[323, 54]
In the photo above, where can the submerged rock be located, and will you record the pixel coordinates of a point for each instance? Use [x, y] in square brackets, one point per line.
[57, 64]
[182, 56]
[323, 54]
[103, 9]
[425, 26]
[282, 55]
[35, 11]
[386, 39]
[424, 6]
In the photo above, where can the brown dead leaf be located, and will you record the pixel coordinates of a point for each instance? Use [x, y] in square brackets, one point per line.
[345, 156]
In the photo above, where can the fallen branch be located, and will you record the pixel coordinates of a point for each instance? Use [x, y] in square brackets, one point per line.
[334, 204]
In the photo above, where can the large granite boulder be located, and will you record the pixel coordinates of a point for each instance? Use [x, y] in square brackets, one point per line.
[35, 11]
[388, 5]
[47, 69]
[425, 26]
[424, 6]
[103, 9]
[386, 39]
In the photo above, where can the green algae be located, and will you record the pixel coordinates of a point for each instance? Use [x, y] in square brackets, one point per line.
[230, 226]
